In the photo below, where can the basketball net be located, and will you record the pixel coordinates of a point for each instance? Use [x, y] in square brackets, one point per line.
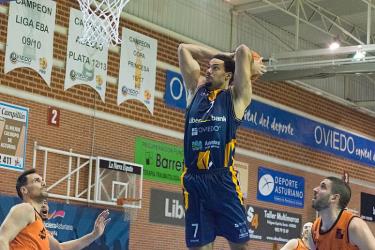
[130, 213]
[101, 20]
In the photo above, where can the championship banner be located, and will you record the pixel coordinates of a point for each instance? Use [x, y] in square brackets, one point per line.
[137, 75]
[13, 132]
[85, 63]
[272, 225]
[69, 222]
[31, 25]
[161, 161]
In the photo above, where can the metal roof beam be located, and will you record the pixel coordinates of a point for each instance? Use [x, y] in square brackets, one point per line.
[325, 15]
[319, 71]
[259, 5]
[366, 104]
[322, 52]
[337, 22]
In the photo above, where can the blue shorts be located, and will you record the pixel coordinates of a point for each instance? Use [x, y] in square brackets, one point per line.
[213, 207]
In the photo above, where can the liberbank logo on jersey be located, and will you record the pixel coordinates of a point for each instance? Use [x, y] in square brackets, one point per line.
[193, 120]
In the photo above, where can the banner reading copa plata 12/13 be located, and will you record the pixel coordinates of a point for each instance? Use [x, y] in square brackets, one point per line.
[85, 63]
[31, 25]
[137, 69]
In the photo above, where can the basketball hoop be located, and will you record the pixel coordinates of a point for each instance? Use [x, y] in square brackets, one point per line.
[101, 21]
[130, 211]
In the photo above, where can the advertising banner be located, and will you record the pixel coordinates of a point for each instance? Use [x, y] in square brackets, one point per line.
[272, 225]
[368, 207]
[175, 92]
[280, 188]
[13, 136]
[289, 126]
[167, 207]
[68, 222]
[161, 161]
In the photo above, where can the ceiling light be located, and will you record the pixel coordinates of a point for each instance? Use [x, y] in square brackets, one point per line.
[334, 45]
[359, 54]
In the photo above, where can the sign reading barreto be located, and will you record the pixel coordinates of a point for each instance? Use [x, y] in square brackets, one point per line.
[85, 63]
[162, 162]
[137, 69]
[31, 25]
[272, 225]
[13, 136]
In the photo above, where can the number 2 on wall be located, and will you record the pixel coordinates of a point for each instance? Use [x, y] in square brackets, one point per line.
[53, 116]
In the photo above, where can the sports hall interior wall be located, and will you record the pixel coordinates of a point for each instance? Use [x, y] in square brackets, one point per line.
[111, 139]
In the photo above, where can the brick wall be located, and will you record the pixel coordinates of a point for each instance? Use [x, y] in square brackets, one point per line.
[111, 139]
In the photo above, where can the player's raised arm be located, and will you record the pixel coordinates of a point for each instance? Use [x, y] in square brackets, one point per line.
[246, 68]
[188, 56]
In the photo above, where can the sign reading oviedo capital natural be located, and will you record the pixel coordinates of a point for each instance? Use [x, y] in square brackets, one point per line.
[13, 136]
[167, 207]
[272, 225]
[280, 188]
[161, 161]
[292, 127]
[289, 126]
[31, 26]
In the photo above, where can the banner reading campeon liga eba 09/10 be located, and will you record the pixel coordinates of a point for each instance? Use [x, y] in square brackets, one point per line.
[31, 25]
[137, 69]
[85, 63]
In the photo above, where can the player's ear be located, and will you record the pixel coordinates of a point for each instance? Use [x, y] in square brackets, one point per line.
[336, 197]
[24, 190]
[228, 76]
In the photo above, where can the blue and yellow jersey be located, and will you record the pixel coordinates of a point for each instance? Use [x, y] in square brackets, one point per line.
[210, 130]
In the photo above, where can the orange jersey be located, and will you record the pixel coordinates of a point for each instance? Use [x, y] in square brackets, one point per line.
[301, 245]
[336, 238]
[33, 237]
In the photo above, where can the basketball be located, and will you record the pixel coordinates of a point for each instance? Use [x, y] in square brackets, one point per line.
[256, 58]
